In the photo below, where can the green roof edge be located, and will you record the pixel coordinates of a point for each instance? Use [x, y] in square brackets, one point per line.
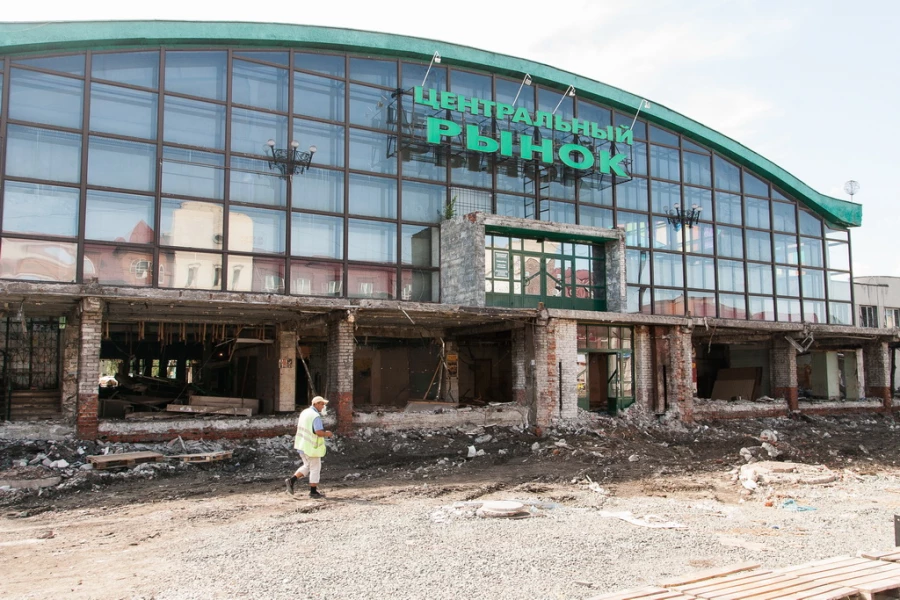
[77, 35]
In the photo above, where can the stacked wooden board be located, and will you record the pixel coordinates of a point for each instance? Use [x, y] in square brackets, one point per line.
[217, 405]
[869, 576]
[124, 459]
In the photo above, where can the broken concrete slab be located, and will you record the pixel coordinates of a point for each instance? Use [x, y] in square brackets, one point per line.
[30, 484]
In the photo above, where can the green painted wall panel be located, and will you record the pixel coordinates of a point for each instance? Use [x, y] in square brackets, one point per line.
[18, 38]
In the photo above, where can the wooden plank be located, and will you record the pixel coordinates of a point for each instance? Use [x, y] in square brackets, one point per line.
[708, 574]
[209, 410]
[649, 592]
[801, 590]
[872, 587]
[818, 566]
[721, 583]
[224, 401]
[125, 459]
[750, 589]
[203, 456]
[888, 555]
[853, 579]
[864, 566]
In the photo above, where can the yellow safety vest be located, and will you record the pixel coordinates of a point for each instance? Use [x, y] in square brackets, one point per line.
[306, 440]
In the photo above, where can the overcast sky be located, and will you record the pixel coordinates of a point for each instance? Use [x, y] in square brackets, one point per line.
[810, 84]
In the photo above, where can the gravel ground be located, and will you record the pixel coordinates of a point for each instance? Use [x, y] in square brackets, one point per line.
[406, 528]
[394, 548]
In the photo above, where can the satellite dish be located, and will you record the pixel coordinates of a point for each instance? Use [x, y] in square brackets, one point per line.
[851, 187]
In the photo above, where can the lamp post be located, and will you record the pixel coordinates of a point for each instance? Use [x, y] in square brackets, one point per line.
[289, 160]
[679, 217]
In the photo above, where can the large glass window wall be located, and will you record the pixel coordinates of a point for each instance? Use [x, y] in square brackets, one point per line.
[162, 156]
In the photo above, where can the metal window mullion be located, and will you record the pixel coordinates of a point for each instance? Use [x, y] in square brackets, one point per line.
[289, 185]
[4, 141]
[80, 252]
[226, 195]
[345, 266]
[160, 125]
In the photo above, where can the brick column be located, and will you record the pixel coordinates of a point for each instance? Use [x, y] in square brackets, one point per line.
[567, 359]
[616, 290]
[87, 416]
[340, 350]
[783, 369]
[285, 400]
[877, 363]
[546, 372]
[643, 369]
[680, 372]
[519, 370]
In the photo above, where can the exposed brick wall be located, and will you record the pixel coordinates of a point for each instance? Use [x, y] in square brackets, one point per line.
[341, 349]
[643, 369]
[462, 261]
[877, 363]
[679, 372]
[567, 358]
[783, 370]
[87, 412]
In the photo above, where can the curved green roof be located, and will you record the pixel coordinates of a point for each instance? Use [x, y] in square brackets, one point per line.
[41, 37]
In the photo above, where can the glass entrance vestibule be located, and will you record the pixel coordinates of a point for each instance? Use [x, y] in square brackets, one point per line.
[605, 368]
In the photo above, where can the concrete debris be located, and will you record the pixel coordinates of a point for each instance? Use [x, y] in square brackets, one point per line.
[634, 458]
[484, 439]
[784, 473]
[472, 452]
[350, 476]
[768, 435]
[535, 446]
[30, 484]
[651, 521]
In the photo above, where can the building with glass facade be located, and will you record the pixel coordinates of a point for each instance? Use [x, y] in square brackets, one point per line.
[265, 212]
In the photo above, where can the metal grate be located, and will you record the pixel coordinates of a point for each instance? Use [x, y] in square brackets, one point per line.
[33, 353]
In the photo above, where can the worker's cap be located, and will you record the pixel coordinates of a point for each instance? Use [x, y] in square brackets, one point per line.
[319, 400]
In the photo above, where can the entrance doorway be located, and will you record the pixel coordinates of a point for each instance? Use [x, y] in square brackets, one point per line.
[605, 368]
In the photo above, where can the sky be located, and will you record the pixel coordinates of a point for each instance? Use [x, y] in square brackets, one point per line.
[812, 85]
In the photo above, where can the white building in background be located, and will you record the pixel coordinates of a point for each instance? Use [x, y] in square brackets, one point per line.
[878, 305]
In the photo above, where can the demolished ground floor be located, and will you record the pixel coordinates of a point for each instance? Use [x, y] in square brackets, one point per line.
[131, 366]
[609, 504]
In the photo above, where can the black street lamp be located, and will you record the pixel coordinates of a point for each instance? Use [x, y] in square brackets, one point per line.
[290, 160]
[679, 217]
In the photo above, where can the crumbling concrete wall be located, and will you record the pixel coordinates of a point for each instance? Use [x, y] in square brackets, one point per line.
[616, 289]
[642, 359]
[462, 261]
[877, 363]
[287, 370]
[71, 341]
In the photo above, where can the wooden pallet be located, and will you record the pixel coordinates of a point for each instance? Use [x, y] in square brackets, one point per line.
[203, 457]
[867, 576]
[650, 592]
[126, 459]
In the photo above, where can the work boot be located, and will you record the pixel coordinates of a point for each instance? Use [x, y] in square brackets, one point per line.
[316, 495]
[289, 484]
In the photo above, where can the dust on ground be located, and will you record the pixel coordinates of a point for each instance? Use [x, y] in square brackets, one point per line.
[227, 529]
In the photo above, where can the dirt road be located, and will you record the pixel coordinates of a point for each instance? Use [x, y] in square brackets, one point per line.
[400, 518]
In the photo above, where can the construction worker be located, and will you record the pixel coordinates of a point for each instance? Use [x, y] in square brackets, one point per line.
[310, 444]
